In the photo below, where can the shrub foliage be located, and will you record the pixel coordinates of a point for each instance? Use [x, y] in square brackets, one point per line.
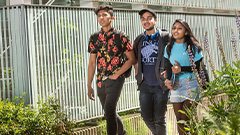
[47, 118]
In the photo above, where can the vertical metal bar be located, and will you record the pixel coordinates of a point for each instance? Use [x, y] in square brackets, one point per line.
[13, 50]
[72, 62]
[1, 52]
[75, 63]
[75, 55]
[66, 59]
[45, 78]
[38, 54]
[54, 51]
[41, 39]
[52, 60]
[61, 51]
[30, 54]
[47, 57]
[78, 66]
[25, 33]
[87, 115]
[82, 101]
[5, 52]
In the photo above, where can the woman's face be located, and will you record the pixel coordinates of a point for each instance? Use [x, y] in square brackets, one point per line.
[179, 32]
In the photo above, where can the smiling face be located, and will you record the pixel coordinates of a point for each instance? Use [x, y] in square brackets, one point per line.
[148, 21]
[105, 19]
[179, 32]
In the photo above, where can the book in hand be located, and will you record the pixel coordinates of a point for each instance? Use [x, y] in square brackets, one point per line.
[173, 80]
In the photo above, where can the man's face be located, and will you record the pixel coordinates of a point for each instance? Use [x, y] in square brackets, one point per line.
[104, 18]
[148, 21]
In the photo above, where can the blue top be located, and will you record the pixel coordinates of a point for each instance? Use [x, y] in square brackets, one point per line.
[149, 52]
[180, 54]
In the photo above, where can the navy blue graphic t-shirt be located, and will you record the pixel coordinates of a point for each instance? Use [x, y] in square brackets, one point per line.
[149, 51]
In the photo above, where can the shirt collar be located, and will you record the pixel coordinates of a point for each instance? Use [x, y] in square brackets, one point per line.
[153, 36]
[110, 30]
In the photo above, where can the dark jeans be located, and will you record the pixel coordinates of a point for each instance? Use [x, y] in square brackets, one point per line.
[153, 103]
[109, 94]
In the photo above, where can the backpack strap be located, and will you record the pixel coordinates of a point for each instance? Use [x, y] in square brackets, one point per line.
[117, 37]
[136, 45]
[165, 37]
[95, 36]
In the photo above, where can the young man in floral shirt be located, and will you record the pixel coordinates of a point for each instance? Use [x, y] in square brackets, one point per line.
[110, 68]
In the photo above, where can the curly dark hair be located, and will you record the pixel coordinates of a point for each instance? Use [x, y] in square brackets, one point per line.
[189, 38]
[108, 8]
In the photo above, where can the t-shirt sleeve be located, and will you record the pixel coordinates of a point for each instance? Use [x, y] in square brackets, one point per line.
[126, 43]
[165, 53]
[92, 46]
[198, 55]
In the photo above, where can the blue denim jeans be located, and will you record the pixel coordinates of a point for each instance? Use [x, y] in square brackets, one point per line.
[153, 103]
[109, 94]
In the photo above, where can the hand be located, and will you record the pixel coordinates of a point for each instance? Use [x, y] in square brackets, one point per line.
[164, 73]
[113, 77]
[91, 93]
[169, 84]
[176, 68]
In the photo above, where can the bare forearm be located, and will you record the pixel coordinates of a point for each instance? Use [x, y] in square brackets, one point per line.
[125, 67]
[91, 72]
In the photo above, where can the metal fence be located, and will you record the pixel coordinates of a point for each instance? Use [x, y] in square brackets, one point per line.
[43, 52]
[220, 4]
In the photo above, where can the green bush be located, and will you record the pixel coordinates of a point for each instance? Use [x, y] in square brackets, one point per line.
[219, 117]
[47, 118]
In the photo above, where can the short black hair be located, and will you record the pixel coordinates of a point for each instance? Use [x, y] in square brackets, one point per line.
[141, 12]
[108, 8]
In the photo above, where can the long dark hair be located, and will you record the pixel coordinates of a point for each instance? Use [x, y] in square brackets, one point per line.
[189, 39]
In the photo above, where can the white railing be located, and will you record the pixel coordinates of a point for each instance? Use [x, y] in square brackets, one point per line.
[44, 52]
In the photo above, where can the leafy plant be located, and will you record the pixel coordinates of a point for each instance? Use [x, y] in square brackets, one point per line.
[47, 118]
[221, 115]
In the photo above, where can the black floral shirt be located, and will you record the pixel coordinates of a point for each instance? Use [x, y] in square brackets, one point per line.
[109, 53]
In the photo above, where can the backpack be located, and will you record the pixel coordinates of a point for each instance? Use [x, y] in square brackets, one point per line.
[118, 33]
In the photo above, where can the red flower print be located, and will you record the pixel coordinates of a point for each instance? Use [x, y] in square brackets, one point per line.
[98, 66]
[115, 61]
[109, 68]
[101, 38]
[91, 46]
[115, 49]
[113, 37]
[99, 77]
[109, 48]
[102, 62]
[98, 54]
[124, 39]
[110, 42]
[99, 84]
